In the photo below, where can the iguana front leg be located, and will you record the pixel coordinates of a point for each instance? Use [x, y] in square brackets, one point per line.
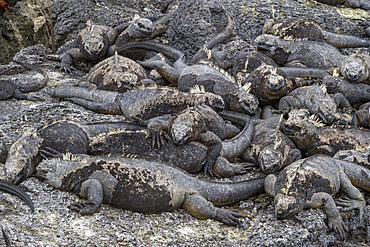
[214, 144]
[288, 102]
[68, 58]
[342, 102]
[91, 189]
[158, 129]
[202, 209]
[355, 200]
[325, 201]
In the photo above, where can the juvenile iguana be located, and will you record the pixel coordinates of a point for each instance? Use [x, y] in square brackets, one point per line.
[9, 90]
[145, 185]
[312, 182]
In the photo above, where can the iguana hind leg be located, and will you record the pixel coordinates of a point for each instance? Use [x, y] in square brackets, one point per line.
[91, 189]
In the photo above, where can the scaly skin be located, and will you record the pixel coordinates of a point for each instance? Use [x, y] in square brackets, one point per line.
[356, 68]
[316, 100]
[311, 183]
[144, 103]
[62, 136]
[309, 29]
[270, 149]
[305, 53]
[200, 123]
[312, 137]
[190, 157]
[356, 93]
[144, 185]
[116, 73]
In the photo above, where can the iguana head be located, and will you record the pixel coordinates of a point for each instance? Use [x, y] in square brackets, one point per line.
[141, 28]
[6, 89]
[94, 43]
[287, 206]
[185, 126]
[325, 109]
[332, 83]
[354, 70]
[244, 102]
[300, 123]
[270, 160]
[124, 81]
[269, 45]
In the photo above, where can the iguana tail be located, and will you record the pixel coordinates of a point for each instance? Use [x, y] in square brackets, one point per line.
[15, 190]
[26, 88]
[234, 147]
[345, 41]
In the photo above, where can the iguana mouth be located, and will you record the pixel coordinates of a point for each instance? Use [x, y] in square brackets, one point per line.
[290, 130]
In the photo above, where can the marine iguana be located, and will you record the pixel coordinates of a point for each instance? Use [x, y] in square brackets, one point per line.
[312, 182]
[356, 67]
[293, 28]
[200, 123]
[364, 4]
[356, 93]
[303, 53]
[145, 185]
[270, 149]
[116, 73]
[313, 137]
[316, 100]
[63, 136]
[142, 102]
[9, 90]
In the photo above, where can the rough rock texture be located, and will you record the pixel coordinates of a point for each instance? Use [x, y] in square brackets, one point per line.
[27, 23]
[53, 224]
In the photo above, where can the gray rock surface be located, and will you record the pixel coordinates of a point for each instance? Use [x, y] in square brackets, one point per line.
[53, 224]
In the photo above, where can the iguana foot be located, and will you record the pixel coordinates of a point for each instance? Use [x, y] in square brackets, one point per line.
[208, 169]
[84, 208]
[65, 68]
[48, 153]
[338, 225]
[351, 204]
[228, 216]
[159, 138]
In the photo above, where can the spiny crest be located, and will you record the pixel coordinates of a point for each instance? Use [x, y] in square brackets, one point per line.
[197, 89]
[324, 89]
[90, 26]
[247, 87]
[208, 52]
[277, 142]
[316, 121]
[222, 71]
[70, 157]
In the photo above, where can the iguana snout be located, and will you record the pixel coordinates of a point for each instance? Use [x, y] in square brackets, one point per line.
[354, 71]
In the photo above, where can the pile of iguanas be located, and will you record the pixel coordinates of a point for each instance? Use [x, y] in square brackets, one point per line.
[269, 117]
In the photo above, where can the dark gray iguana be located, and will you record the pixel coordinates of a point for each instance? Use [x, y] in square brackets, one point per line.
[303, 53]
[313, 137]
[312, 182]
[270, 149]
[356, 93]
[10, 90]
[142, 102]
[292, 28]
[62, 136]
[316, 100]
[200, 123]
[144, 185]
